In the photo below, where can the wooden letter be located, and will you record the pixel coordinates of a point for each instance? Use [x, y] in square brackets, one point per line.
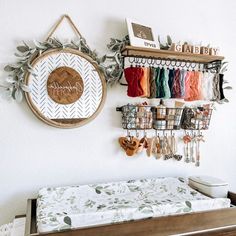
[177, 47]
[187, 48]
[214, 51]
[205, 50]
[196, 49]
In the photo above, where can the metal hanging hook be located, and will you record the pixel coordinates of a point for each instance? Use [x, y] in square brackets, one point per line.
[143, 61]
[131, 61]
[178, 65]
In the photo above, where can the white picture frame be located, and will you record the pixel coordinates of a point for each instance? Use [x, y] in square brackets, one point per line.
[141, 35]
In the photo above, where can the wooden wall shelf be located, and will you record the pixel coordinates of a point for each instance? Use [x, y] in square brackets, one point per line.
[168, 55]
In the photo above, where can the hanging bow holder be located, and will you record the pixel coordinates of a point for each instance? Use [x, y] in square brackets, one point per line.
[153, 73]
[172, 59]
[67, 88]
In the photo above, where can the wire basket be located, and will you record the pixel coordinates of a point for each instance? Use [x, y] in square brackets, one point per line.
[167, 118]
[196, 118]
[136, 117]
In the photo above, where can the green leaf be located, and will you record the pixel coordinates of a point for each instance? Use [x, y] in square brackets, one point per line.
[67, 220]
[179, 211]
[103, 59]
[228, 87]
[226, 100]
[225, 62]
[188, 204]
[98, 191]
[162, 46]
[39, 45]
[169, 40]
[65, 227]
[25, 88]
[186, 210]
[9, 68]
[18, 95]
[22, 49]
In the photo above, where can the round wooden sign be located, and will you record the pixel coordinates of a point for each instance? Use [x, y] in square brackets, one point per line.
[67, 88]
[65, 85]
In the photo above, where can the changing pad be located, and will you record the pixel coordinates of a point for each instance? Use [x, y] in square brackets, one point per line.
[98, 204]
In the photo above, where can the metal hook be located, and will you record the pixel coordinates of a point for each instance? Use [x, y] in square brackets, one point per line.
[143, 61]
[145, 134]
[128, 133]
[184, 64]
[168, 64]
[149, 61]
[158, 61]
[153, 61]
[178, 65]
[163, 63]
[192, 133]
[139, 61]
[173, 63]
[193, 65]
[131, 62]
[188, 64]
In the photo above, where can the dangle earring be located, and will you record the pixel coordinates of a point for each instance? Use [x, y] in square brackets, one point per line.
[192, 144]
[150, 144]
[158, 147]
[187, 140]
[199, 138]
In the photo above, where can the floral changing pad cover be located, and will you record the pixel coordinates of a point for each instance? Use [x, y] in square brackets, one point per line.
[80, 206]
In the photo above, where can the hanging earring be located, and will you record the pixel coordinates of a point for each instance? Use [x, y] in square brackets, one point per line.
[192, 159]
[186, 139]
[158, 147]
[150, 142]
[200, 138]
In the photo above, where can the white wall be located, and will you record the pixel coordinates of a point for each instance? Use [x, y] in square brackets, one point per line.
[33, 155]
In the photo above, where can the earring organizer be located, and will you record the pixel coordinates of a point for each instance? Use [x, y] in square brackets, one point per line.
[164, 121]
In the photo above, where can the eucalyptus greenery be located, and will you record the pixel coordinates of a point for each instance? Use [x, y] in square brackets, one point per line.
[14, 84]
[115, 69]
[167, 44]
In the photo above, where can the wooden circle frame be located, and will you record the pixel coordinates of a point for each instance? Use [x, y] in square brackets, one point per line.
[70, 123]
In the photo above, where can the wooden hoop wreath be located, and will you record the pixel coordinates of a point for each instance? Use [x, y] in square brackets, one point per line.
[69, 115]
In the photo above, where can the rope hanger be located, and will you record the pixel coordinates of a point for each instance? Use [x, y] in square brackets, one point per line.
[58, 23]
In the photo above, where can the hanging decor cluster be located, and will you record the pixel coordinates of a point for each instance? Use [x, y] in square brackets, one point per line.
[26, 54]
[110, 65]
[65, 82]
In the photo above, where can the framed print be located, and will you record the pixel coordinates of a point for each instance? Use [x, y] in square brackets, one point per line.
[141, 35]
